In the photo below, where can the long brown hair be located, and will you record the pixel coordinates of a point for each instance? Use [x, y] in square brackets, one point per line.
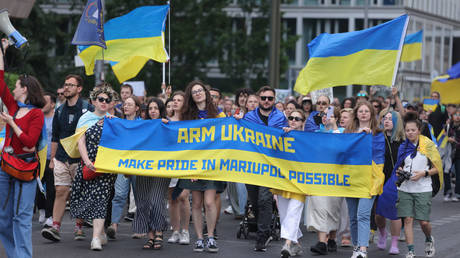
[190, 109]
[354, 125]
[178, 93]
[34, 91]
[138, 104]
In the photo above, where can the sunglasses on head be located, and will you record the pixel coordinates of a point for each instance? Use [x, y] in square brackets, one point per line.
[270, 98]
[361, 95]
[296, 118]
[101, 99]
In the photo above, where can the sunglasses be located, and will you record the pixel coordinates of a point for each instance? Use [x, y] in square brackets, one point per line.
[196, 92]
[296, 118]
[361, 95]
[60, 93]
[264, 98]
[101, 99]
[321, 103]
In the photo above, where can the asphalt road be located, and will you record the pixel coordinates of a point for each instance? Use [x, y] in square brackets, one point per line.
[445, 222]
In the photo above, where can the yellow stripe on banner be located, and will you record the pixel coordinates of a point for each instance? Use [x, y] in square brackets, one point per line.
[411, 52]
[70, 144]
[244, 167]
[367, 67]
[120, 49]
[449, 90]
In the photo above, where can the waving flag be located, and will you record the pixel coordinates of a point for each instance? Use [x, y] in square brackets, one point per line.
[132, 40]
[90, 30]
[448, 85]
[430, 104]
[367, 57]
[412, 49]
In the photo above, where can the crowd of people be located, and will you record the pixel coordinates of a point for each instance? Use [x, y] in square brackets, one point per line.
[408, 134]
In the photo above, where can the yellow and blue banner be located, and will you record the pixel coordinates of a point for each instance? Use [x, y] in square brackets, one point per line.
[90, 30]
[132, 40]
[367, 57]
[412, 49]
[430, 104]
[226, 149]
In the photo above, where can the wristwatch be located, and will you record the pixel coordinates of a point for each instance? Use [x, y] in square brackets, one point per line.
[426, 173]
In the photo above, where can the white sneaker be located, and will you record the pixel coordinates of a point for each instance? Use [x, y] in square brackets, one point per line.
[429, 248]
[355, 252]
[41, 217]
[361, 254]
[184, 238]
[228, 210]
[104, 239]
[48, 222]
[174, 237]
[447, 198]
[402, 236]
[410, 254]
[96, 244]
[454, 198]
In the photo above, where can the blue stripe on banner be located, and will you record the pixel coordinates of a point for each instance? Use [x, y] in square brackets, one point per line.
[229, 133]
[430, 102]
[386, 36]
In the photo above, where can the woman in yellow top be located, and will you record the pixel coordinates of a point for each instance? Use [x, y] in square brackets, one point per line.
[290, 205]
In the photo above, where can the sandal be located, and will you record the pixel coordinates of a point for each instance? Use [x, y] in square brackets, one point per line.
[149, 244]
[158, 242]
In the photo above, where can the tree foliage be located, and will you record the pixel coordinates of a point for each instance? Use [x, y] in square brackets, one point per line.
[203, 38]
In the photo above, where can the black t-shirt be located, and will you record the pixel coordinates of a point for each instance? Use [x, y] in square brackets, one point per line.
[263, 118]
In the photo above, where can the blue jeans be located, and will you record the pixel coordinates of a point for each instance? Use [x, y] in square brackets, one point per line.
[16, 223]
[359, 210]
[242, 196]
[121, 194]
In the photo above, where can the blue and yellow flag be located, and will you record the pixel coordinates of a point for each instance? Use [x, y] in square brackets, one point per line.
[367, 57]
[442, 139]
[448, 85]
[226, 149]
[430, 104]
[412, 49]
[132, 40]
[90, 30]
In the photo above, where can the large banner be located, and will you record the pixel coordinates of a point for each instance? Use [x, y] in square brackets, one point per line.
[227, 149]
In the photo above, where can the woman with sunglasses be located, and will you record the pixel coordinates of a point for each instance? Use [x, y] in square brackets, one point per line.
[90, 199]
[24, 124]
[394, 136]
[315, 118]
[290, 205]
[199, 105]
[131, 111]
[179, 206]
[359, 209]
[150, 194]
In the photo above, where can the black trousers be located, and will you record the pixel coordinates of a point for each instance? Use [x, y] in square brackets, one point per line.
[262, 203]
[48, 182]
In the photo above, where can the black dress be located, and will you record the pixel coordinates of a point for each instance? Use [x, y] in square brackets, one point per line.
[90, 199]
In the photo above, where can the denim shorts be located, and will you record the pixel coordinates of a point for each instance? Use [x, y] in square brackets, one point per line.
[414, 205]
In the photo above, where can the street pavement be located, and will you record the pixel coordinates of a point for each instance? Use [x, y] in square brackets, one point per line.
[445, 222]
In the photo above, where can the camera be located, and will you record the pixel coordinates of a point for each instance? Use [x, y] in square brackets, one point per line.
[402, 176]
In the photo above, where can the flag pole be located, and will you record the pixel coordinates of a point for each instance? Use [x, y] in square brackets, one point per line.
[169, 43]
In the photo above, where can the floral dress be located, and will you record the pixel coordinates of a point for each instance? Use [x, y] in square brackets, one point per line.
[90, 199]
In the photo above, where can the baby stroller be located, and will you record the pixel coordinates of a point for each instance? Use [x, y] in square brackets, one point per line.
[249, 223]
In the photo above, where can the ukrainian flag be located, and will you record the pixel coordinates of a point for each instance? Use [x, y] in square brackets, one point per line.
[367, 57]
[430, 104]
[448, 85]
[442, 139]
[132, 40]
[412, 49]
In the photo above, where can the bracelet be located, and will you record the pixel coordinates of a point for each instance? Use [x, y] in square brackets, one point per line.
[427, 173]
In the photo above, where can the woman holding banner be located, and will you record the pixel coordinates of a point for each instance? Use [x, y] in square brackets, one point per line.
[290, 205]
[179, 206]
[359, 209]
[150, 194]
[199, 105]
[91, 192]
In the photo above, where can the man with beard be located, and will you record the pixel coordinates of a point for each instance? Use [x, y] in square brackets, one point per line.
[261, 197]
[64, 123]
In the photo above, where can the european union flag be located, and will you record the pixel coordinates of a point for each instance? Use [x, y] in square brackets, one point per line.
[90, 30]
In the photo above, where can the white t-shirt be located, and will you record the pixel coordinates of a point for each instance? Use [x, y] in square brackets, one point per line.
[419, 163]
